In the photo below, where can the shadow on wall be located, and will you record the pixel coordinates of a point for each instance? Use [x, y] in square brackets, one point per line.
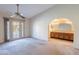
[61, 28]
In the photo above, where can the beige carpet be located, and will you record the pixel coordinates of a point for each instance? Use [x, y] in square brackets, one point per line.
[30, 46]
[63, 47]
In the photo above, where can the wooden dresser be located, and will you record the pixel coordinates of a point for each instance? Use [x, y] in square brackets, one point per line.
[60, 35]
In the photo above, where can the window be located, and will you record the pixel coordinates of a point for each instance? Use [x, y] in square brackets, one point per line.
[15, 29]
[8, 31]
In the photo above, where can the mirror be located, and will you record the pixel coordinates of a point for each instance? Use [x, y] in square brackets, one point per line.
[64, 27]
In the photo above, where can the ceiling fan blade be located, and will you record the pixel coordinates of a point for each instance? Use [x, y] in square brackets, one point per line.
[21, 16]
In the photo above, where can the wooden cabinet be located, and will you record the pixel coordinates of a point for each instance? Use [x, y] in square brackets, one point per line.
[68, 36]
[60, 35]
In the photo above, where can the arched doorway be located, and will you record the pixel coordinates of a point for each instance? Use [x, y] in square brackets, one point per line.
[61, 28]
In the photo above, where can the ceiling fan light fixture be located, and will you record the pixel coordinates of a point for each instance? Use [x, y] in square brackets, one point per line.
[17, 14]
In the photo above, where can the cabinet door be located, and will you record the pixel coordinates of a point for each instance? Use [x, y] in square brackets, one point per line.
[68, 36]
[52, 34]
[56, 35]
[60, 35]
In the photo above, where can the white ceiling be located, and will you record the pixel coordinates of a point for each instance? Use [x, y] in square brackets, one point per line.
[28, 10]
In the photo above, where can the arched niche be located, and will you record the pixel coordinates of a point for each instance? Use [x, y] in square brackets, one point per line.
[61, 25]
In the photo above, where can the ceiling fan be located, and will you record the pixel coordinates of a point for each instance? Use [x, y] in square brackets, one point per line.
[17, 13]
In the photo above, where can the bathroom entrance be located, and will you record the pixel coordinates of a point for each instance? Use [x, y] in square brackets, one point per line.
[61, 28]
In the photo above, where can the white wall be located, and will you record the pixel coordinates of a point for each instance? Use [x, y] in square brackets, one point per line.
[2, 14]
[40, 23]
[1, 30]
[27, 28]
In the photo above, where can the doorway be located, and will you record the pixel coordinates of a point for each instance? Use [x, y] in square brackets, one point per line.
[61, 28]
